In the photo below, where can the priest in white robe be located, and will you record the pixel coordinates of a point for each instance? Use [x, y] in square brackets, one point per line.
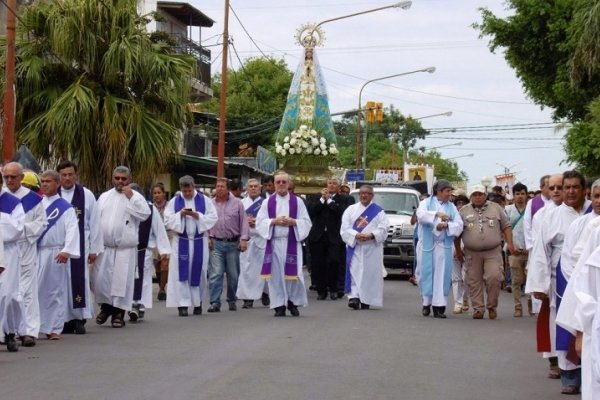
[250, 284]
[56, 246]
[364, 230]
[189, 215]
[12, 218]
[439, 224]
[79, 303]
[542, 271]
[284, 223]
[121, 210]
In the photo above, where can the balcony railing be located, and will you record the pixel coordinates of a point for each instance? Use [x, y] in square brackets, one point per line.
[201, 54]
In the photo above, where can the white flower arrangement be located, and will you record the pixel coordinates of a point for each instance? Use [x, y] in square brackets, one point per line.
[305, 142]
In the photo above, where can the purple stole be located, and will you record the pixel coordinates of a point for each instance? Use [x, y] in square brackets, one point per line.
[8, 202]
[30, 200]
[536, 204]
[143, 239]
[361, 222]
[78, 264]
[291, 256]
[254, 207]
[184, 245]
[53, 213]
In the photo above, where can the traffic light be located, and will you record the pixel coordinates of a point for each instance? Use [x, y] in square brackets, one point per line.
[370, 111]
[379, 112]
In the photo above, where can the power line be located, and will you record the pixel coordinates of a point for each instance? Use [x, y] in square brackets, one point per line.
[244, 28]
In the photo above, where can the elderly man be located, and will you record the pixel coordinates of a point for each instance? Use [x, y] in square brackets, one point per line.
[485, 225]
[35, 224]
[228, 237]
[284, 222]
[12, 218]
[545, 279]
[189, 215]
[57, 246]
[250, 285]
[364, 229]
[121, 210]
[439, 223]
[327, 249]
[78, 297]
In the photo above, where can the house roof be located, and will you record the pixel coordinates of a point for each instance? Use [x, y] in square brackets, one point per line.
[185, 13]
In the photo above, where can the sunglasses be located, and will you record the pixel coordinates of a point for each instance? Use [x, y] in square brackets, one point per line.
[557, 187]
[10, 176]
[120, 178]
[280, 182]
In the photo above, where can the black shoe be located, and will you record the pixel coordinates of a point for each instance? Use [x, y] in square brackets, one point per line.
[280, 311]
[333, 295]
[232, 307]
[69, 327]
[265, 299]
[214, 308]
[438, 312]
[198, 310]
[27, 341]
[183, 311]
[162, 295]
[354, 303]
[11, 343]
[364, 306]
[340, 294]
[133, 315]
[293, 309]
[248, 304]
[321, 296]
[312, 287]
[79, 326]
[142, 313]
[426, 311]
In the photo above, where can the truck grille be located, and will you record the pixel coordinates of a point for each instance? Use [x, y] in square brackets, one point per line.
[400, 231]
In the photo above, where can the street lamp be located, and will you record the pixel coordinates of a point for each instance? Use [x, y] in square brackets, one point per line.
[405, 5]
[444, 114]
[463, 156]
[358, 127]
[486, 181]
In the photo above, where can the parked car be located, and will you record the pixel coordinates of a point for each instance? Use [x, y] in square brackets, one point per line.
[398, 203]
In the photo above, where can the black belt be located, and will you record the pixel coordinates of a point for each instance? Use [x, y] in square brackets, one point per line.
[233, 239]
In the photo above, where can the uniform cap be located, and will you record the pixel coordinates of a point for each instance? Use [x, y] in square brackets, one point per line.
[477, 189]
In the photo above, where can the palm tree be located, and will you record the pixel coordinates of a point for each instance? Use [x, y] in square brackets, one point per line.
[93, 87]
[585, 60]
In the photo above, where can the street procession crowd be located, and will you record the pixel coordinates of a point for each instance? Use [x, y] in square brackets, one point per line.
[68, 257]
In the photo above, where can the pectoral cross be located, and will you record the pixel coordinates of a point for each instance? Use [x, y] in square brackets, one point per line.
[78, 299]
[362, 222]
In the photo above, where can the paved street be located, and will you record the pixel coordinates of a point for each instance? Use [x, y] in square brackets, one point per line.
[329, 352]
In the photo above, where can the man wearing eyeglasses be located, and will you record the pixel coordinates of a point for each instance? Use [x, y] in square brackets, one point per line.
[121, 210]
[546, 280]
[35, 224]
[284, 222]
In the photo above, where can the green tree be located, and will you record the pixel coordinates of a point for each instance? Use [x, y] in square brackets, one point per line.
[583, 142]
[256, 97]
[92, 87]
[538, 39]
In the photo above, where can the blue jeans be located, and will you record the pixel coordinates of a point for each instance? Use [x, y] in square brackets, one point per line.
[224, 258]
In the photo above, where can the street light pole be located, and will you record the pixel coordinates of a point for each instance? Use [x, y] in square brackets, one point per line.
[223, 97]
[358, 114]
[405, 5]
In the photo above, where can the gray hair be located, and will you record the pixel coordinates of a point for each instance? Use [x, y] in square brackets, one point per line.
[51, 173]
[367, 187]
[121, 169]
[17, 165]
[282, 173]
[595, 185]
[186, 180]
[252, 180]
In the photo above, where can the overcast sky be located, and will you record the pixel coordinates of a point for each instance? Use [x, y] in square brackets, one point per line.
[478, 87]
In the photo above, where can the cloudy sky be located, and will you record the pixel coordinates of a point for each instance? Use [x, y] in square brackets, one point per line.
[493, 119]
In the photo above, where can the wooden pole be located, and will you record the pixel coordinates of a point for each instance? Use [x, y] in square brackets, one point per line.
[223, 97]
[8, 133]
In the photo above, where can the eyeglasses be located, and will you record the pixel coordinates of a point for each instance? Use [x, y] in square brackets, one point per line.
[120, 178]
[557, 187]
[10, 176]
[280, 182]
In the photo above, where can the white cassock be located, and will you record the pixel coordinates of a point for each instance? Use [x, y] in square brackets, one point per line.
[528, 228]
[250, 284]
[580, 308]
[94, 244]
[62, 237]
[428, 221]
[114, 271]
[181, 293]
[543, 260]
[158, 240]
[11, 303]
[35, 224]
[366, 266]
[281, 290]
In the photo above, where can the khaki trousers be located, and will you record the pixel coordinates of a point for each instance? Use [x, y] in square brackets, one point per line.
[485, 270]
[518, 265]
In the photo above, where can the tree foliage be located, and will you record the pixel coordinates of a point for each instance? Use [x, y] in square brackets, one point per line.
[93, 87]
[583, 142]
[256, 97]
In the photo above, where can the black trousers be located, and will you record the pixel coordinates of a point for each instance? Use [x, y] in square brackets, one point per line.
[328, 269]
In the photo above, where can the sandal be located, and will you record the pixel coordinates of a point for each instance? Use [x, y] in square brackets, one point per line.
[102, 317]
[117, 322]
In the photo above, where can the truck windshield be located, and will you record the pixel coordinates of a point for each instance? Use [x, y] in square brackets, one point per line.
[395, 203]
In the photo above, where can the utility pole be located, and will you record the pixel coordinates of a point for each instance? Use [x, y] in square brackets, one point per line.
[8, 126]
[223, 97]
